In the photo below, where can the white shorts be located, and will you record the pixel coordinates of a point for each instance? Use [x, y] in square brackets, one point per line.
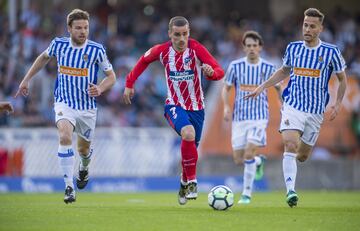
[83, 120]
[248, 131]
[307, 123]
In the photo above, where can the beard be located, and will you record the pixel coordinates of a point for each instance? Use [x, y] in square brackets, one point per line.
[79, 40]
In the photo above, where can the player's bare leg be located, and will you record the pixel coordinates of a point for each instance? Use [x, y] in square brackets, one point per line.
[304, 151]
[85, 157]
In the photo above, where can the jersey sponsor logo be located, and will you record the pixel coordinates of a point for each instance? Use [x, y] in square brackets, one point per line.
[307, 72]
[181, 75]
[244, 87]
[73, 71]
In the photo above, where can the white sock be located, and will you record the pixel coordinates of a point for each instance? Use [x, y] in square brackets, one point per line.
[258, 160]
[289, 170]
[66, 161]
[85, 161]
[249, 176]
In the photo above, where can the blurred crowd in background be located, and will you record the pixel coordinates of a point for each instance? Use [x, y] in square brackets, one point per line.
[132, 30]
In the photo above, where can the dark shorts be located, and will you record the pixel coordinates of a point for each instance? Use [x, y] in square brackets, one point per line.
[178, 118]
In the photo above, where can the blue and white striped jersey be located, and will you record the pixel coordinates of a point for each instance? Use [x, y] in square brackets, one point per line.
[77, 67]
[311, 69]
[246, 77]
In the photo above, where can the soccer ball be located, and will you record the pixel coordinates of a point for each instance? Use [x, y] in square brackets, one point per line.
[220, 197]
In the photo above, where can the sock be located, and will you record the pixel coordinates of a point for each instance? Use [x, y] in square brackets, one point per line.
[257, 160]
[85, 161]
[66, 160]
[189, 159]
[249, 176]
[289, 170]
[183, 179]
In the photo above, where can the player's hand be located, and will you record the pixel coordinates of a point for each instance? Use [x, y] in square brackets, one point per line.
[334, 110]
[23, 88]
[128, 94]
[94, 90]
[207, 69]
[255, 93]
[6, 106]
[227, 114]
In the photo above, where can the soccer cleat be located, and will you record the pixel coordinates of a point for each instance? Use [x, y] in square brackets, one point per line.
[69, 195]
[244, 200]
[182, 194]
[260, 168]
[192, 191]
[292, 198]
[82, 179]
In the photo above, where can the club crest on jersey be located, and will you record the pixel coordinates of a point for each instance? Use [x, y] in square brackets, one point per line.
[187, 61]
[86, 58]
[321, 59]
[287, 123]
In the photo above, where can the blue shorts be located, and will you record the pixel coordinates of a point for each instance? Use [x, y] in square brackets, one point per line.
[178, 118]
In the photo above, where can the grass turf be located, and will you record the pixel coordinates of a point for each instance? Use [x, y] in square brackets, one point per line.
[160, 211]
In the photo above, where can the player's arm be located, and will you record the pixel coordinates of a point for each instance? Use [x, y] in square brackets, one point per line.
[105, 84]
[150, 56]
[225, 94]
[277, 77]
[341, 76]
[210, 67]
[279, 91]
[38, 64]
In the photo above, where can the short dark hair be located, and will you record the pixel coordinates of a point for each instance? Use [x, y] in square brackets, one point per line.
[254, 35]
[178, 21]
[77, 14]
[313, 12]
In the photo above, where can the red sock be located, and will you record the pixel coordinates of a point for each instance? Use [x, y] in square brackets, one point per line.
[189, 159]
[183, 174]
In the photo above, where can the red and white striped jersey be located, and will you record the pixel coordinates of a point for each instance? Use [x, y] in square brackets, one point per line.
[182, 71]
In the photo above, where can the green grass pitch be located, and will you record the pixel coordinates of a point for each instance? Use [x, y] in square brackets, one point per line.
[160, 211]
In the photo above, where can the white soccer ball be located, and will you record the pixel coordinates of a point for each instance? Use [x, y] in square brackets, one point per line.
[220, 197]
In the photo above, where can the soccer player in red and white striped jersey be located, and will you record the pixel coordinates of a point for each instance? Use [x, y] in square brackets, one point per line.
[184, 60]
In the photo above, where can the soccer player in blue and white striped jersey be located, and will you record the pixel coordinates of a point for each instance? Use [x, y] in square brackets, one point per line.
[310, 64]
[249, 117]
[76, 89]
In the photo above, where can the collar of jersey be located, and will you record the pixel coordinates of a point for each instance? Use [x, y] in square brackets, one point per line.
[78, 47]
[311, 48]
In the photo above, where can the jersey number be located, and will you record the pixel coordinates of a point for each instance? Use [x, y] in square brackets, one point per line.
[174, 115]
[87, 133]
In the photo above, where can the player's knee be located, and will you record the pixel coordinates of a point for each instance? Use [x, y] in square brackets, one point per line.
[65, 139]
[188, 134]
[291, 146]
